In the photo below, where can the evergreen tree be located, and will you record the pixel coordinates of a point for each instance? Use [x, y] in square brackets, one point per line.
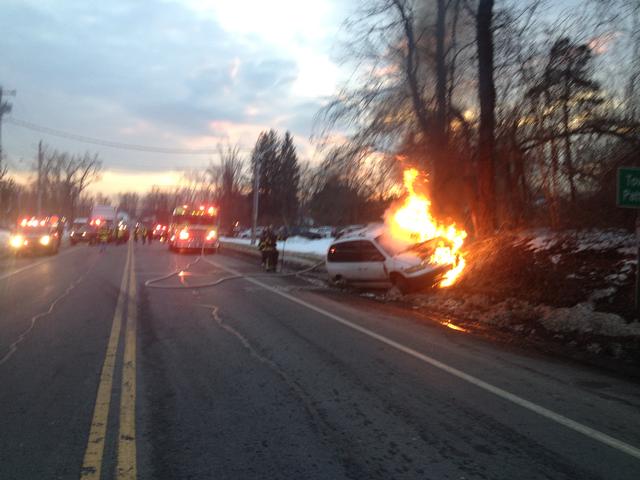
[266, 153]
[279, 178]
[287, 181]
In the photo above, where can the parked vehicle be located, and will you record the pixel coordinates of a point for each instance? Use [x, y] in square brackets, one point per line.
[103, 217]
[342, 231]
[370, 257]
[296, 231]
[77, 228]
[161, 232]
[36, 235]
[324, 232]
[87, 233]
[247, 232]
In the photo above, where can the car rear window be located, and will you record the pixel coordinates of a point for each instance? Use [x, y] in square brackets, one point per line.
[355, 251]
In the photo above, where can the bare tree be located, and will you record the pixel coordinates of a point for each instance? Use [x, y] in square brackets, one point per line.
[229, 180]
[129, 202]
[64, 178]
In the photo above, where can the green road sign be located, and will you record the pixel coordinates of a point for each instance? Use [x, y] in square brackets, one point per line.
[628, 187]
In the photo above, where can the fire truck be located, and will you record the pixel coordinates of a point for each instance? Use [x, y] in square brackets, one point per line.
[194, 228]
[102, 217]
[37, 235]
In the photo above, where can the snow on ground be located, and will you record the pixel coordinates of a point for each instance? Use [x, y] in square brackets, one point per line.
[582, 318]
[584, 240]
[301, 245]
[515, 314]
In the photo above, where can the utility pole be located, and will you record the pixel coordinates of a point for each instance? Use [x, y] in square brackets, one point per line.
[40, 160]
[5, 107]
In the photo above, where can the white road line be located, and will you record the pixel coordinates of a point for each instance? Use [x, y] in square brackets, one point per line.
[32, 322]
[33, 265]
[533, 407]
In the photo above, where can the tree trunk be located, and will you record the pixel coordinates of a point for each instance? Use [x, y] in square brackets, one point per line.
[486, 131]
[568, 160]
[441, 74]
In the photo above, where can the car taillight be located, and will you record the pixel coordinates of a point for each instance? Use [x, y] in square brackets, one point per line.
[184, 235]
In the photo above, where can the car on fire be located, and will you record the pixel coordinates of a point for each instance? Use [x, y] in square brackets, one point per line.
[194, 228]
[371, 257]
[36, 235]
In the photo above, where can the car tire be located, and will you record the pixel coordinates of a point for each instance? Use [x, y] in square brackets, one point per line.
[401, 283]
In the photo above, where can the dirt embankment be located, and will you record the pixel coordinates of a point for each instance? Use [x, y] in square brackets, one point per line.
[571, 290]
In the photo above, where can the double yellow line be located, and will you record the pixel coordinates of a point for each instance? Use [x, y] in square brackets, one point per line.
[126, 468]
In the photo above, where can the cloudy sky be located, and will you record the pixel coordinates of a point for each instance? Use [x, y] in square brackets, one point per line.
[168, 73]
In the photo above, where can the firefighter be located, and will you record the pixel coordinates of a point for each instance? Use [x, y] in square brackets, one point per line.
[103, 237]
[136, 232]
[143, 234]
[149, 234]
[269, 248]
[120, 235]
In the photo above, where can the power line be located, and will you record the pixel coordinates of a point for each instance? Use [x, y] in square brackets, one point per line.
[111, 144]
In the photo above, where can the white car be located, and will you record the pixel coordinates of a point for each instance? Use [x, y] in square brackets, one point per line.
[370, 257]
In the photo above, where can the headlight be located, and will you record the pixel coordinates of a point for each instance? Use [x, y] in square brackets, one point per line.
[45, 240]
[16, 241]
[184, 235]
[211, 235]
[415, 268]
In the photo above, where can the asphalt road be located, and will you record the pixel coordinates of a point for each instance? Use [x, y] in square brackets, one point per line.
[274, 377]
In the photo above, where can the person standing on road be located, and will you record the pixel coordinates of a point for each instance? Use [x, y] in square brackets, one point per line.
[149, 234]
[269, 247]
[143, 234]
[103, 237]
[120, 235]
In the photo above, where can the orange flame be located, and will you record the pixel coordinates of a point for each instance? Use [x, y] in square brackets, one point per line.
[412, 222]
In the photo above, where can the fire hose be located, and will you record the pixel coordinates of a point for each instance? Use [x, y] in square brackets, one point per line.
[152, 283]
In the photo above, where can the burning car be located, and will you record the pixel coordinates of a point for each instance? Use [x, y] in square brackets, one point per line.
[372, 257]
[412, 249]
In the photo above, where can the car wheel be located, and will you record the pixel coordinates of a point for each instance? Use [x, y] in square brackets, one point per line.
[401, 283]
